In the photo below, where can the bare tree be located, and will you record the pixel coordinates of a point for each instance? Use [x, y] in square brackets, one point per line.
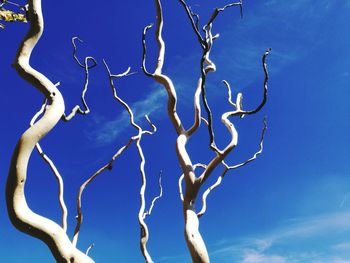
[20, 214]
[194, 181]
[52, 111]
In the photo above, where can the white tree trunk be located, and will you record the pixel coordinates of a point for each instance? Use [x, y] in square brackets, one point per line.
[22, 217]
[195, 242]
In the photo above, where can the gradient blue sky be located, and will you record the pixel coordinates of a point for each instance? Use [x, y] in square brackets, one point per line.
[292, 205]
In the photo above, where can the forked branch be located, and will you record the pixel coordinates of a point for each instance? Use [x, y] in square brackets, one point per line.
[144, 233]
[22, 217]
[54, 171]
[240, 112]
[157, 75]
[107, 166]
[193, 183]
[228, 168]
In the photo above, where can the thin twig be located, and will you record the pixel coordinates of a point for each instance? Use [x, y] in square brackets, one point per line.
[89, 248]
[221, 154]
[191, 15]
[148, 213]
[144, 233]
[107, 166]
[86, 66]
[229, 92]
[110, 163]
[144, 50]
[219, 10]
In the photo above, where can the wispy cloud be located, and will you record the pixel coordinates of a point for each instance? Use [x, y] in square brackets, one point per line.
[255, 257]
[108, 131]
[302, 240]
[238, 56]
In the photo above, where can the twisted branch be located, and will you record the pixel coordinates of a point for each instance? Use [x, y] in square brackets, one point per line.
[137, 138]
[54, 170]
[144, 233]
[227, 168]
[108, 165]
[221, 154]
[193, 183]
[21, 216]
[157, 75]
[144, 50]
[86, 66]
[11, 16]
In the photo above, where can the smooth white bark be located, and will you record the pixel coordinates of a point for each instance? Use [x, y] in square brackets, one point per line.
[194, 183]
[19, 212]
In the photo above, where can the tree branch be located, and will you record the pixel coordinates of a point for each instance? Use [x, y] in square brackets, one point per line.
[148, 213]
[107, 166]
[21, 216]
[144, 50]
[158, 75]
[266, 73]
[255, 154]
[221, 154]
[183, 175]
[219, 10]
[227, 168]
[89, 248]
[86, 66]
[197, 110]
[206, 64]
[54, 170]
[194, 19]
[11, 16]
[144, 233]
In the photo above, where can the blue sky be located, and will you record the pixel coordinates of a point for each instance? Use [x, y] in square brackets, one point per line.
[292, 205]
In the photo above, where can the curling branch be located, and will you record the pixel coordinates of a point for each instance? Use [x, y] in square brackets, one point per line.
[87, 67]
[144, 50]
[107, 166]
[21, 216]
[158, 75]
[144, 233]
[221, 154]
[54, 170]
[227, 168]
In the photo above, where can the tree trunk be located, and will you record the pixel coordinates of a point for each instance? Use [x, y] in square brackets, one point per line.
[193, 237]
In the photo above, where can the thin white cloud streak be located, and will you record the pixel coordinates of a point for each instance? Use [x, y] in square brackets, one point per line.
[108, 131]
[305, 233]
[254, 257]
[239, 58]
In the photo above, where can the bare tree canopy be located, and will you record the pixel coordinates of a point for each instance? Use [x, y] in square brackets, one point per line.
[161, 131]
